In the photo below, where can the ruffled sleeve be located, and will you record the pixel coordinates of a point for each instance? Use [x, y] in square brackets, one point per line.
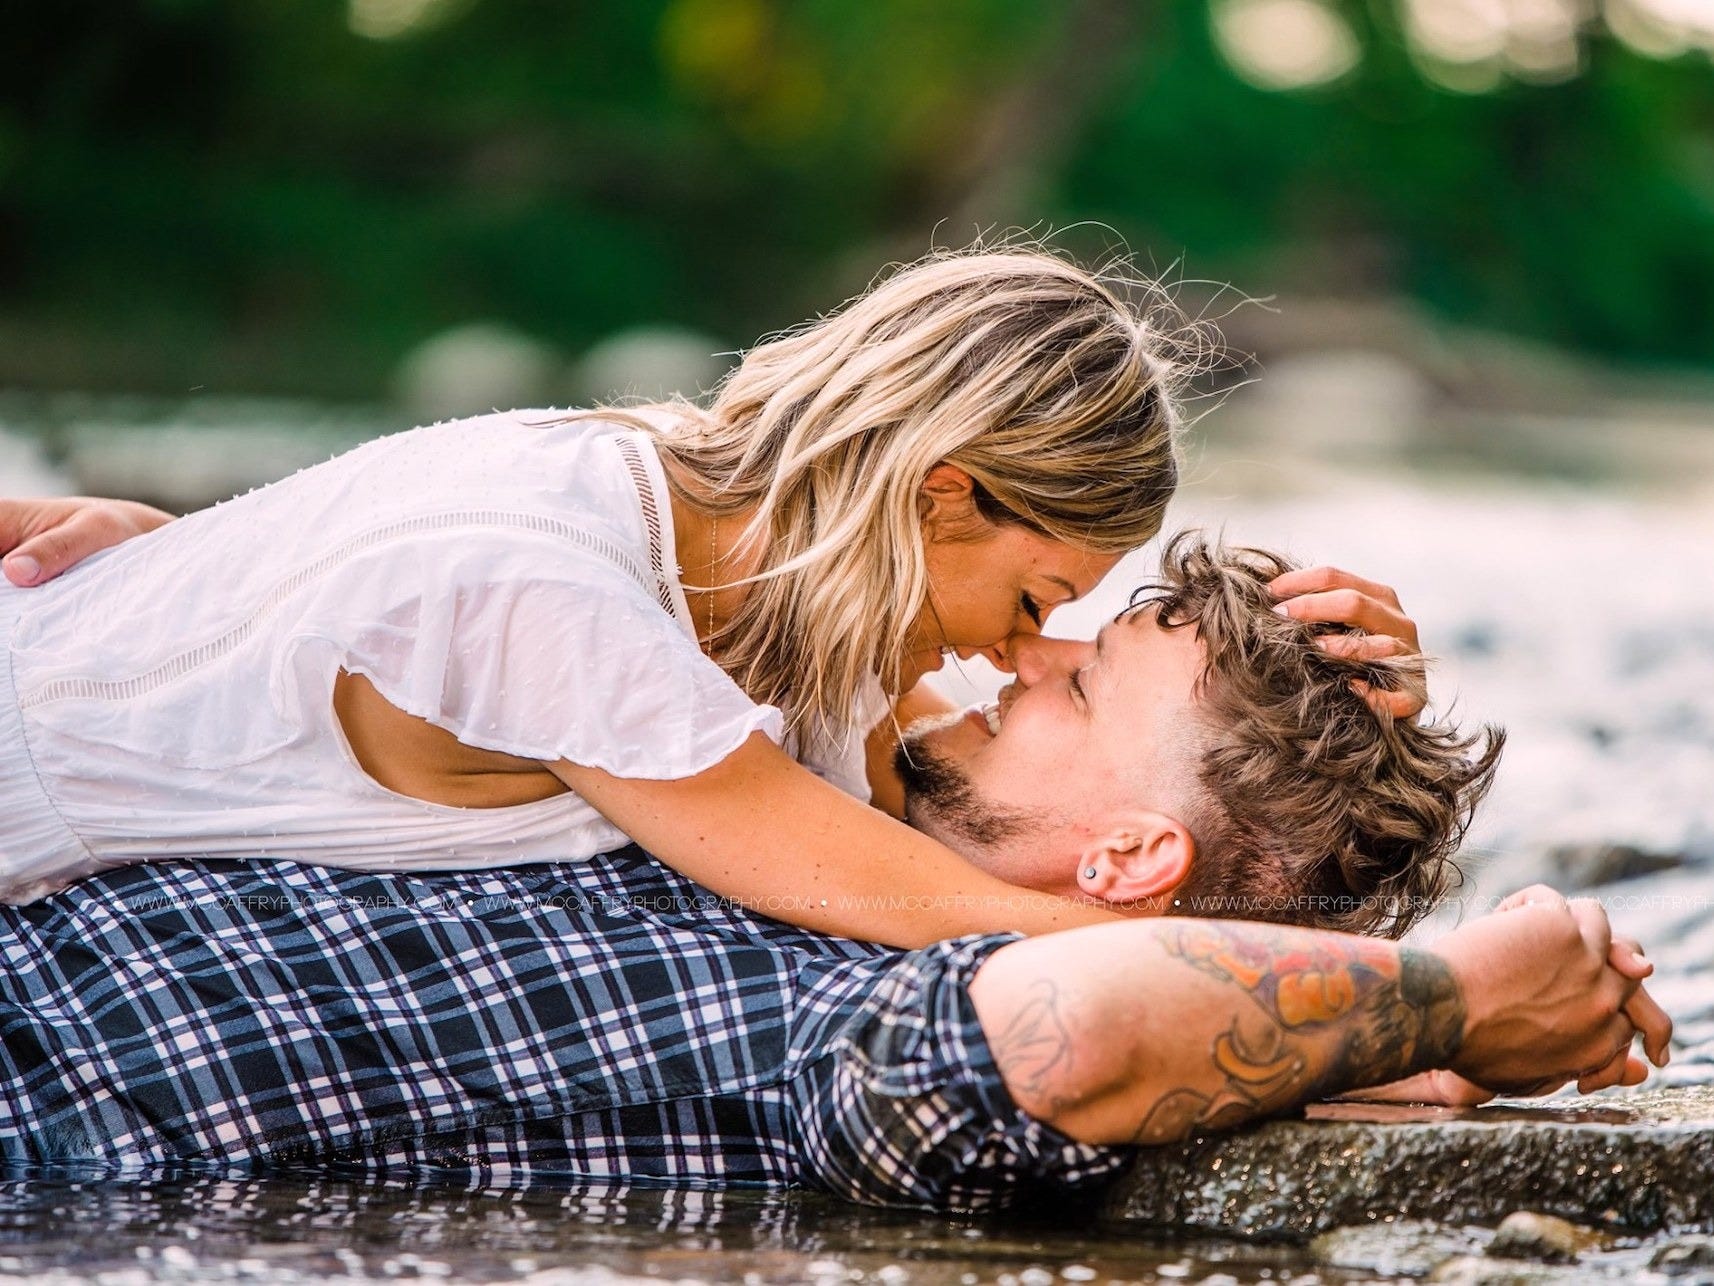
[520, 644]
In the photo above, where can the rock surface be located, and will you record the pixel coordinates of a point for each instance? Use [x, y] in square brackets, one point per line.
[647, 362]
[1686, 1255]
[1405, 1248]
[476, 368]
[1524, 1234]
[1584, 866]
[1638, 1163]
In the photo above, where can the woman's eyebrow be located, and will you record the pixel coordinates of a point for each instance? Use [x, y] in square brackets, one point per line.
[1070, 590]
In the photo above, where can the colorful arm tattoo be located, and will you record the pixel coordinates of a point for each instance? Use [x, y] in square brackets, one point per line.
[1335, 1013]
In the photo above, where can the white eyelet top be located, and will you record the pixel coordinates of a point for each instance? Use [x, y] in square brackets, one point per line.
[506, 577]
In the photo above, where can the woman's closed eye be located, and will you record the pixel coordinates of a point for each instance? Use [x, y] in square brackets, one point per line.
[1032, 609]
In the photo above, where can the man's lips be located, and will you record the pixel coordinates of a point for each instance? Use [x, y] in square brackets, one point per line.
[978, 719]
[986, 717]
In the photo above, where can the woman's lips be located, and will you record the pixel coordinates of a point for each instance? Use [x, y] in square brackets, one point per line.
[928, 660]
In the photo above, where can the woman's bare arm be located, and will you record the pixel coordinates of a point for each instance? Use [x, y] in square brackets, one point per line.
[763, 830]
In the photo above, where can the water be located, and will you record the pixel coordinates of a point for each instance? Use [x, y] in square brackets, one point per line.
[286, 1229]
[1559, 575]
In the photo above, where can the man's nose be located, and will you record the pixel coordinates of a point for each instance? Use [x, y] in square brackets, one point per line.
[1034, 658]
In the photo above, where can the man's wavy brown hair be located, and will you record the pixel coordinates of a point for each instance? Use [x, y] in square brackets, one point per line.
[1315, 809]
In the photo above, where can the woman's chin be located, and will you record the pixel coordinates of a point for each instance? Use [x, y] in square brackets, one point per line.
[918, 665]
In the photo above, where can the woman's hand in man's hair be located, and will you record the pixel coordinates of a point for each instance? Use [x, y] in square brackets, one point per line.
[1333, 596]
[39, 539]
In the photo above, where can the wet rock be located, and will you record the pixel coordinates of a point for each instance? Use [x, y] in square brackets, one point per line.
[1523, 1234]
[1474, 1270]
[648, 362]
[1638, 1162]
[1479, 638]
[1685, 1255]
[1405, 1248]
[1342, 402]
[187, 457]
[1583, 866]
[471, 369]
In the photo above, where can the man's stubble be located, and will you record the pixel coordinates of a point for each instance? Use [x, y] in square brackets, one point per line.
[942, 801]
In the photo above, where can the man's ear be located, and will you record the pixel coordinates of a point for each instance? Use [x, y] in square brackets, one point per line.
[1142, 859]
[947, 499]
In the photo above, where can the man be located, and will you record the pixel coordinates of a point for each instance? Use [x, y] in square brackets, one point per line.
[610, 1019]
[606, 1020]
[1207, 755]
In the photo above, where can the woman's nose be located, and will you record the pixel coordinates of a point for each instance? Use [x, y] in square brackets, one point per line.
[994, 654]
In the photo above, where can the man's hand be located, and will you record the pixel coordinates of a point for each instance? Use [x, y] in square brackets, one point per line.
[1549, 999]
[1438, 1088]
[1330, 596]
[41, 538]
[1626, 957]
[1650, 1020]
[1448, 1089]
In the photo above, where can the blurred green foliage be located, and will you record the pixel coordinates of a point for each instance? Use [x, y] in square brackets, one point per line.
[253, 194]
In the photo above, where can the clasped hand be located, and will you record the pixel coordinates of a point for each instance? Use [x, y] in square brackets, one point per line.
[1553, 996]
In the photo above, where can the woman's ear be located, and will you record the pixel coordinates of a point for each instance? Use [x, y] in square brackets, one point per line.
[947, 502]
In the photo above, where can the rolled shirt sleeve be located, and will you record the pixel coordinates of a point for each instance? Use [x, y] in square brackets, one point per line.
[904, 1104]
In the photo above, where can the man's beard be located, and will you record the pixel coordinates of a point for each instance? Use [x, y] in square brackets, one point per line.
[942, 801]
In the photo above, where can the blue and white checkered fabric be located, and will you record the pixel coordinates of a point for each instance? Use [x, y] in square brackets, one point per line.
[605, 1020]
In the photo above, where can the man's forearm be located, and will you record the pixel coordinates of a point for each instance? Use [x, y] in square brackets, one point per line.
[1143, 1032]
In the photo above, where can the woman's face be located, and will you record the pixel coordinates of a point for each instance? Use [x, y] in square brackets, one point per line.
[987, 581]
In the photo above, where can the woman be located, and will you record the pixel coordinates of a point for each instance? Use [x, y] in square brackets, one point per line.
[529, 638]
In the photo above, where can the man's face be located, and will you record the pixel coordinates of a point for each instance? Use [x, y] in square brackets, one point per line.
[1087, 743]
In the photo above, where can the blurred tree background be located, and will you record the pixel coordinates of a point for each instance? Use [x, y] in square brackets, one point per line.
[287, 196]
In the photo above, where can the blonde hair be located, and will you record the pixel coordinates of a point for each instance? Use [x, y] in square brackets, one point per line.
[1033, 375]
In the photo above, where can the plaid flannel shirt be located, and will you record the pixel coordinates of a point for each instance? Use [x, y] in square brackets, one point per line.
[603, 1020]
